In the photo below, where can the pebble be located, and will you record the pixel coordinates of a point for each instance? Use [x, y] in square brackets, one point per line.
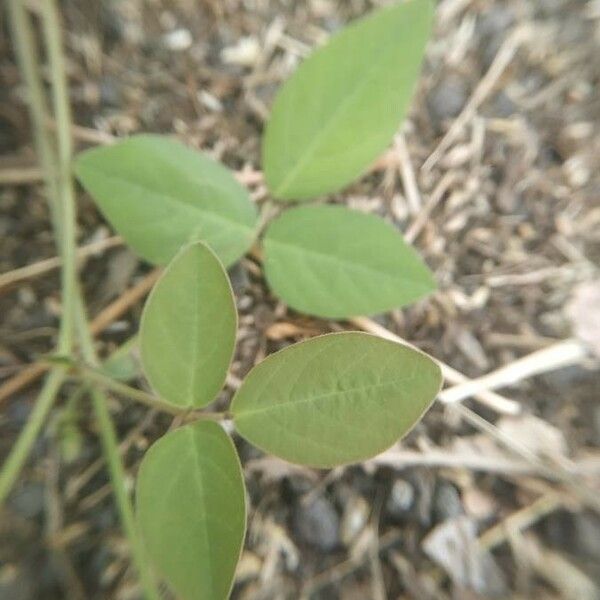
[401, 499]
[105, 518]
[17, 412]
[110, 94]
[264, 317]
[447, 503]
[355, 517]
[245, 53]
[424, 482]
[447, 99]
[587, 534]
[240, 281]
[249, 567]
[494, 21]
[565, 379]
[178, 40]
[504, 107]
[111, 23]
[28, 500]
[492, 28]
[317, 524]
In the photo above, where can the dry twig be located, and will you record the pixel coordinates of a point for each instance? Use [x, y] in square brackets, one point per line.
[484, 88]
[48, 264]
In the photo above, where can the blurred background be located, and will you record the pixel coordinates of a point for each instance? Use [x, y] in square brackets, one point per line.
[495, 180]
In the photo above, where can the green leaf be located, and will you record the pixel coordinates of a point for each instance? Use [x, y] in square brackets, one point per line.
[188, 327]
[342, 106]
[191, 510]
[122, 364]
[159, 195]
[337, 263]
[335, 399]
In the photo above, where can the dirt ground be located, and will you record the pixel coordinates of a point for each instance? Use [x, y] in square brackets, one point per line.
[494, 178]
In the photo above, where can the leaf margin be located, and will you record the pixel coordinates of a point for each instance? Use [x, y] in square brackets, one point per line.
[182, 251]
[332, 465]
[80, 164]
[239, 471]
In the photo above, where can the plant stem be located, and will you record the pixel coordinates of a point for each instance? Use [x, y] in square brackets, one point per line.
[29, 433]
[27, 57]
[73, 308]
[122, 389]
[110, 446]
[60, 101]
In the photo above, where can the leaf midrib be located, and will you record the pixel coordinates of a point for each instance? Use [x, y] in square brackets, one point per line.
[313, 399]
[202, 495]
[348, 264]
[194, 338]
[330, 122]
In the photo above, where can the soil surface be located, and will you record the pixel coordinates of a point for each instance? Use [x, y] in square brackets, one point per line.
[495, 178]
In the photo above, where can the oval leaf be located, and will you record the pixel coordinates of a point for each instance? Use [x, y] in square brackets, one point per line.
[123, 363]
[342, 106]
[191, 510]
[188, 327]
[337, 263]
[335, 399]
[160, 195]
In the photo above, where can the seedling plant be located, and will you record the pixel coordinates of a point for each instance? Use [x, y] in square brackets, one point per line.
[331, 400]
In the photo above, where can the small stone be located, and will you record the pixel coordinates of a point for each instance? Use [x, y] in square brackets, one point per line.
[577, 172]
[249, 566]
[178, 40]
[245, 53]
[495, 21]
[299, 485]
[105, 518]
[28, 500]
[491, 28]
[111, 23]
[477, 504]
[317, 524]
[264, 317]
[354, 519]
[424, 482]
[563, 380]
[240, 281]
[401, 499]
[110, 94]
[447, 99]
[210, 101]
[504, 107]
[587, 534]
[446, 502]
[453, 545]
